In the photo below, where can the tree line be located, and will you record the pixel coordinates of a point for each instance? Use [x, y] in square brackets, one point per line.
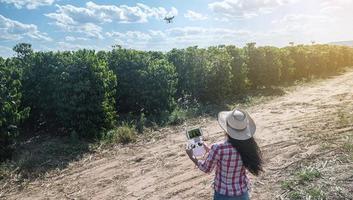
[84, 92]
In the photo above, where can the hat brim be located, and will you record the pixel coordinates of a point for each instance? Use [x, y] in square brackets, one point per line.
[245, 134]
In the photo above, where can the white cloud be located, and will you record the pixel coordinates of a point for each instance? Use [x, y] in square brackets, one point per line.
[90, 29]
[72, 39]
[337, 9]
[86, 19]
[301, 20]
[157, 33]
[340, 13]
[245, 8]
[303, 28]
[6, 51]
[208, 32]
[178, 37]
[194, 16]
[131, 38]
[185, 31]
[77, 19]
[130, 35]
[331, 9]
[70, 46]
[15, 30]
[95, 13]
[29, 4]
[339, 3]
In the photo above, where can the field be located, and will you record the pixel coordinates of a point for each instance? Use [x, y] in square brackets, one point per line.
[306, 136]
[95, 97]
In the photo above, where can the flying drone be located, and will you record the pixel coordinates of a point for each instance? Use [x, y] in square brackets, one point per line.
[169, 19]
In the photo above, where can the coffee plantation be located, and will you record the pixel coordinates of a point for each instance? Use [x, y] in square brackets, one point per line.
[84, 92]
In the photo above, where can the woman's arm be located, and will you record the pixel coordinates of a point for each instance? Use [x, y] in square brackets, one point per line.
[207, 148]
[209, 163]
[189, 152]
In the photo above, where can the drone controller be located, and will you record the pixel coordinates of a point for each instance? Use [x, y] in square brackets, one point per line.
[195, 142]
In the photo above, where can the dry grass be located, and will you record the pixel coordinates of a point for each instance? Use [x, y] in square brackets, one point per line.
[37, 157]
[328, 174]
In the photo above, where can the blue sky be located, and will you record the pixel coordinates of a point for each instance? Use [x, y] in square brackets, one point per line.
[69, 25]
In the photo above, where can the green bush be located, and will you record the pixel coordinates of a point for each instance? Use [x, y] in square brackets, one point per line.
[264, 65]
[85, 96]
[219, 76]
[146, 81]
[124, 134]
[141, 122]
[191, 68]
[11, 115]
[80, 93]
[72, 91]
[178, 116]
[159, 81]
[128, 66]
[42, 74]
[239, 70]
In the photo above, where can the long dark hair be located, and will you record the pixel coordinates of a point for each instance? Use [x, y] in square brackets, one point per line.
[250, 154]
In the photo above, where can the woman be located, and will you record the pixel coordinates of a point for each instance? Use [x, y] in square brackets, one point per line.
[231, 157]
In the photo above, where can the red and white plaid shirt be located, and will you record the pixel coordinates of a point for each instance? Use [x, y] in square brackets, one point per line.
[230, 179]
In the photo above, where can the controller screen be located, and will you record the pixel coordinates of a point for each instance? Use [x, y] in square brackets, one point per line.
[194, 133]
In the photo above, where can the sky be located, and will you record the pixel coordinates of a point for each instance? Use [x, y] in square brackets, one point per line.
[52, 25]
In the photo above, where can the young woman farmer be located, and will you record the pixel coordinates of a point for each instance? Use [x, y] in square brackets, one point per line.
[232, 156]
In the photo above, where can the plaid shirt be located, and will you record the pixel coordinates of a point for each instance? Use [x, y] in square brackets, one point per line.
[230, 179]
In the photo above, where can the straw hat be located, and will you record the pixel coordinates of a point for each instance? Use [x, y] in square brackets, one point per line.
[237, 123]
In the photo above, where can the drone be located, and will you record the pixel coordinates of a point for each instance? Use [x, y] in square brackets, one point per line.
[169, 19]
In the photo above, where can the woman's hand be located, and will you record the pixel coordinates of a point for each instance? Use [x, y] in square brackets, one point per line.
[189, 152]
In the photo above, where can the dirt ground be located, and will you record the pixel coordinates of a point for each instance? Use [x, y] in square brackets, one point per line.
[288, 130]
